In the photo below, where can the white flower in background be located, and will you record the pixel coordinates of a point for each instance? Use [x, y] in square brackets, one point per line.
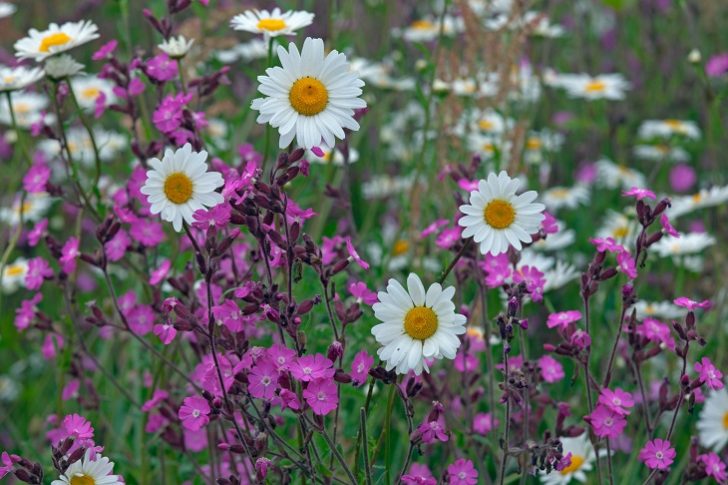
[272, 24]
[539, 143]
[310, 97]
[603, 86]
[7, 9]
[658, 309]
[333, 157]
[557, 198]
[497, 218]
[61, 67]
[559, 276]
[109, 144]
[386, 185]
[32, 209]
[180, 184]
[176, 47]
[713, 421]
[667, 128]
[13, 275]
[614, 176]
[486, 122]
[417, 325]
[489, 146]
[28, 108]
[704, 198]
[20, 77]
[256, 48]
[87, 90]
[40, 44]
[619, 227]
[540, 25]
[661, 153]
[691, 243]
[554, 242]
[379, 74]
[90, 470]
[582, 460]
[428, 29]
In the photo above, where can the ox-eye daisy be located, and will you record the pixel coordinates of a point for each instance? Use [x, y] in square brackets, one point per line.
[496, 217]
[39, 45]
[713, 422]
[417, 325]
[180, 184]
[87, 90]
[310, 97]
[272, 24]
[582, 460]
[89, 471]
[19, 77]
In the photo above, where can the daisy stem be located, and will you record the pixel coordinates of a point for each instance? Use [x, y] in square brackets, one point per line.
[363, 431]
[84, 122]
[266, 142]
[20, 139]
[460, 253]
[182, 81]
[11, 243]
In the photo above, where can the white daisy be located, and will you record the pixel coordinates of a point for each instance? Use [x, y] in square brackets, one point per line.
[33, 208]
[417, 325]
[386, 185]
[176, 47]
[272, 24]
[487, 122]
[667, 128]
[89, 471]
[333, 157]
[619, 227]
[713, 422]
[497, 218]
[710, 197]
[87, 90]
[559, 276]
[7, 9]
[109, 144]
[661, 153]
[489, 146]
[695, 242]
[13, 276]
[556, 198]
[39, 45]
[658, 309]
[427, 29]
[582, 460]
[180, 184]
[27, 107]
[603, 86]
[540, 142]
[61, 67]
[613, 176]
[19, 77]
[311, 97]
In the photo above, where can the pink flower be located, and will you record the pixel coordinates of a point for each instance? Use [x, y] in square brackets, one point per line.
[433, 228]
[52, 343]
[322, 395]
[261, 468]
[449, 237]
[161, 68]
[157, 398]
[165, 332]
[69, 253]
[149, 233]
[682, 177]
[281, 356]
[360, 367]
[627, 264]
[228, 313]
[105, 51]
[484, 423]
[38, 271]
[115, 249]
[656, 331]
[361, 292]
[38, 231]
[607, 244]
[691, 305]
[418, 474]
[534, 280]
[7, 463]
[549, 224]
[217, 216]
[616, 400]
[36, 178]
[25, 313]
[431, 431]
[551, 369]
[563, 319]
[497, 269]
[717, 65]
[169, 114]
[263, 380]
[354, 255]
[714, 466]
[639, 194]
[141, 319]
[657, 454]
[581, 339]
[709, 374]
[462, 472]
[605, 422]
[76, 426]
[289, 400]
[194, 412]
[310, 367]
[667, 227]
[159, 274]
[70, 390]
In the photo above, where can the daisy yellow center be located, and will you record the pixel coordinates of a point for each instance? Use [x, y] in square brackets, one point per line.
[560, 193]
[308, 96]
[271, 25]
[178, 187]
[725, 421]
[664, 149]
[499, 214]
[400, 247]
[91, 92]
[620, 232]
[9, 79]
[53, 40]
[595, 87]
[82, 480]
[576, 462]
[697, 197]
[21, 108]
[485, 125]
[533, 143]
[16, 270]
[420, 323]
[676, 125]
[488, 147]
[422, 25]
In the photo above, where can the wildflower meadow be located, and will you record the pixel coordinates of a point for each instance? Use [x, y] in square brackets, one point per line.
[363, 242]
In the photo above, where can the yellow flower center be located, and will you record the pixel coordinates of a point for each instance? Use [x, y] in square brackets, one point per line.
[15, 270]
[474, 332]
[53, 40]
[82, 480]
[725, 421]
[271, 25]
[488, 147]
[533, 143]
[21, 108]
[178, 187]
[559, 193]
[595, 87]
[676, 125]
[499, 214]
[420, 323]
[697, 197]
[400, 247]
[576, 462]
[485, 125]
[620, 232]
[9, 79]
[308, 96]
[663, 149]
[422, 25]
[91, 92]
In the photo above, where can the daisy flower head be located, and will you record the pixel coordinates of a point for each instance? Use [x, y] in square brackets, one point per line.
[272, 24]
[603, 86]
[7, 9]
[41, 44]
[581, 460]
[19, 77]
[179, 184]
[497, 218]
[416, 325]
[713, 421]
[90, 469]
[62, 66]
[88, 89]
[176, 47]
[311, 97]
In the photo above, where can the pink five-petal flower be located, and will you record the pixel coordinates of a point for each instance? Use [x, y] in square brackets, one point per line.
[194, 412]
[159, 274]
[714, 466]
[605, 422]
[616, 400]
[551, 369]
[309, 367]
[607, 244]
[69, 254]
[36, 177]
[263, 380]
[158, 396]
[322, 395]
[639, 193]
[667, 227]
[354, 255]
[38, 271]
[7, 463]
[709, 374]
[418, 474]
[484, 423]
[692, 305]
[657, 454]
[563, 319]
[627, 264]
[433, 228]
[360, 367]
[462, 472]
[361, 292]
[166, 332]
